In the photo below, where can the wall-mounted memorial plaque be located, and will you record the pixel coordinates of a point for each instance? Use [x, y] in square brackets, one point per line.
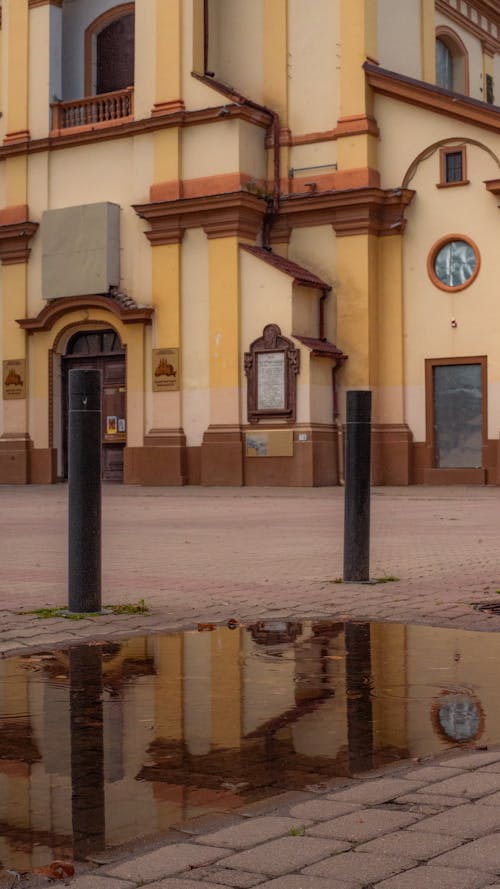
[14, 378]
[271, 366]
[165, 370]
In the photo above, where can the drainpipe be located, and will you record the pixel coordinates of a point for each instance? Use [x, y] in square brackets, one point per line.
[338, 424]
[239, 99]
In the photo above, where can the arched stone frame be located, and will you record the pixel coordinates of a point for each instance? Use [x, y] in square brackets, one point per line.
[91, 32]
[50, 334]
[460, 58]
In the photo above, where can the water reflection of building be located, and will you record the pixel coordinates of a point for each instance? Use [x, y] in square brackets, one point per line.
[197, 722]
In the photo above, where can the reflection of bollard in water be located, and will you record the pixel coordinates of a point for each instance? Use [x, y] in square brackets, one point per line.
[84, 491]
[357, 487]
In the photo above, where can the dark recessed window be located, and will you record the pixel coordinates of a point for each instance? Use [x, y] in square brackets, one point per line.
[453, 166]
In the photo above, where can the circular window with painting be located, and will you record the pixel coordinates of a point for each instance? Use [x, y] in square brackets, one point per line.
[453, 262]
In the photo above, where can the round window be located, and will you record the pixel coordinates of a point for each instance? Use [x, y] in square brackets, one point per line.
[453, 262]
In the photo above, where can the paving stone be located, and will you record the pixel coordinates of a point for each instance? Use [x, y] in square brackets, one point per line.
[323, 809]
[471, 785]
[237, 879]
[363, 825]
[255, 830]
[296, 881]
[272, 803]
[359, 868]
[484, 854]
[468, 821]
[202, 823]
[492, 800]
[493, 767]
[432, 773]
[432, 799]
[410, 844]
[166, 862]
[426, 876]
[93, 881]
[179, 883]
[374, 792]
[284, 855]
[473, 760]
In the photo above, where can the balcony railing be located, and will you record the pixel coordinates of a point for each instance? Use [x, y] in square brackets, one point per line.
[93, 112]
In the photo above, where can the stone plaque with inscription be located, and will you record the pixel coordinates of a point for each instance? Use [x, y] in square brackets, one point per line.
[271, 381]
[271, 366]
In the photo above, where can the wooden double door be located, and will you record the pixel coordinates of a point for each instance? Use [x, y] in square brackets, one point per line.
[112, 368]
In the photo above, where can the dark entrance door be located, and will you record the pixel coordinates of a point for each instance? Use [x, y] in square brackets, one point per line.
[100, 350]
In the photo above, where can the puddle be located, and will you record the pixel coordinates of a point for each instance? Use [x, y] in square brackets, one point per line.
[106, 743]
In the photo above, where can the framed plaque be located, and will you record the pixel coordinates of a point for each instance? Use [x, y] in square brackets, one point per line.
[271, 366]
[166, 370]
[14, 378]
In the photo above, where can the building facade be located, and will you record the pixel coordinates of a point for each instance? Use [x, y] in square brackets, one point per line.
[239, 211]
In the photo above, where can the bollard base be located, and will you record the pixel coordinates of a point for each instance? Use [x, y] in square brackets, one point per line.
[365, 582]
[65, 612]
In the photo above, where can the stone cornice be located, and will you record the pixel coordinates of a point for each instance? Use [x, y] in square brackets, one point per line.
[56, 308]
[222, 215]
[356, 211]
[158, 121]
[14, 241]
[433, 98]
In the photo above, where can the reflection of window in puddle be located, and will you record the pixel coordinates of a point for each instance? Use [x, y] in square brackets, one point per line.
[457, 717]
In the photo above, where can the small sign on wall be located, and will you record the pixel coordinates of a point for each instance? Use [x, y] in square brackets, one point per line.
[166, 370]
[14, 378]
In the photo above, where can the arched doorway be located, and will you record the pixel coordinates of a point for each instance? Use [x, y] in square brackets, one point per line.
[101, 350]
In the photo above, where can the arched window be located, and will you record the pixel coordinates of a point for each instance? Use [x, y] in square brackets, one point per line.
[109, 51]
[452, 62]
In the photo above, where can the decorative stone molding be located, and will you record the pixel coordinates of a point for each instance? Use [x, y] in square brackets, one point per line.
[221, 215]
[56, 308]
[350, 212]
[14, 241]
[272, 343]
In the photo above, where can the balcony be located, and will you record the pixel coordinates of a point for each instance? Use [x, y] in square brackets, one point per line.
[93, 112]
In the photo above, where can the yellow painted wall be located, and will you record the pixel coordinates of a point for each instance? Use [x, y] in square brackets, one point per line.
[313, 66]
[469, 210]
[146, 29]
[236, 45]
[195, 344]
[397, 19]
[321, 400]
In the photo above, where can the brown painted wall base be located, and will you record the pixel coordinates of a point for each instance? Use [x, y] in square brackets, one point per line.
[222, 456]
[15, 459]
[391, 454]
[161, 461]
[314, 462]
[455, 476]
[43, 466]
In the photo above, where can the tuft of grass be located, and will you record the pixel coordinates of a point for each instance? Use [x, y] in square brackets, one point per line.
[338, 580]
[297, 832]
[139, 607]
[387, 578]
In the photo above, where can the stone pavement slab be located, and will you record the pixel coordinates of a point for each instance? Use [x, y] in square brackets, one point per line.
[304, 882]
[429, 877]
[381, 790]
[468, 821]
[483, 854]
[253, 831]
[323, 809]
[284, 855]
[236, 879]
[422, 798]
[169, 860]
[93, 881]
[410, 844]
[471, 785]
[363, 825]
[359, 868]
[473, 760]
[432, 773]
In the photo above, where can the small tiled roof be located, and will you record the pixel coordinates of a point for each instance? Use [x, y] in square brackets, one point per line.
[299, 274]
[320, 348]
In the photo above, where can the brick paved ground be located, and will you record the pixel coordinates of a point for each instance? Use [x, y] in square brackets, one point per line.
[202, 553]
[197, 554]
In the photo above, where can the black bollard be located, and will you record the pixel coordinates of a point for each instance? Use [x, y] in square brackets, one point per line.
[357, 487]
[84, 491]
